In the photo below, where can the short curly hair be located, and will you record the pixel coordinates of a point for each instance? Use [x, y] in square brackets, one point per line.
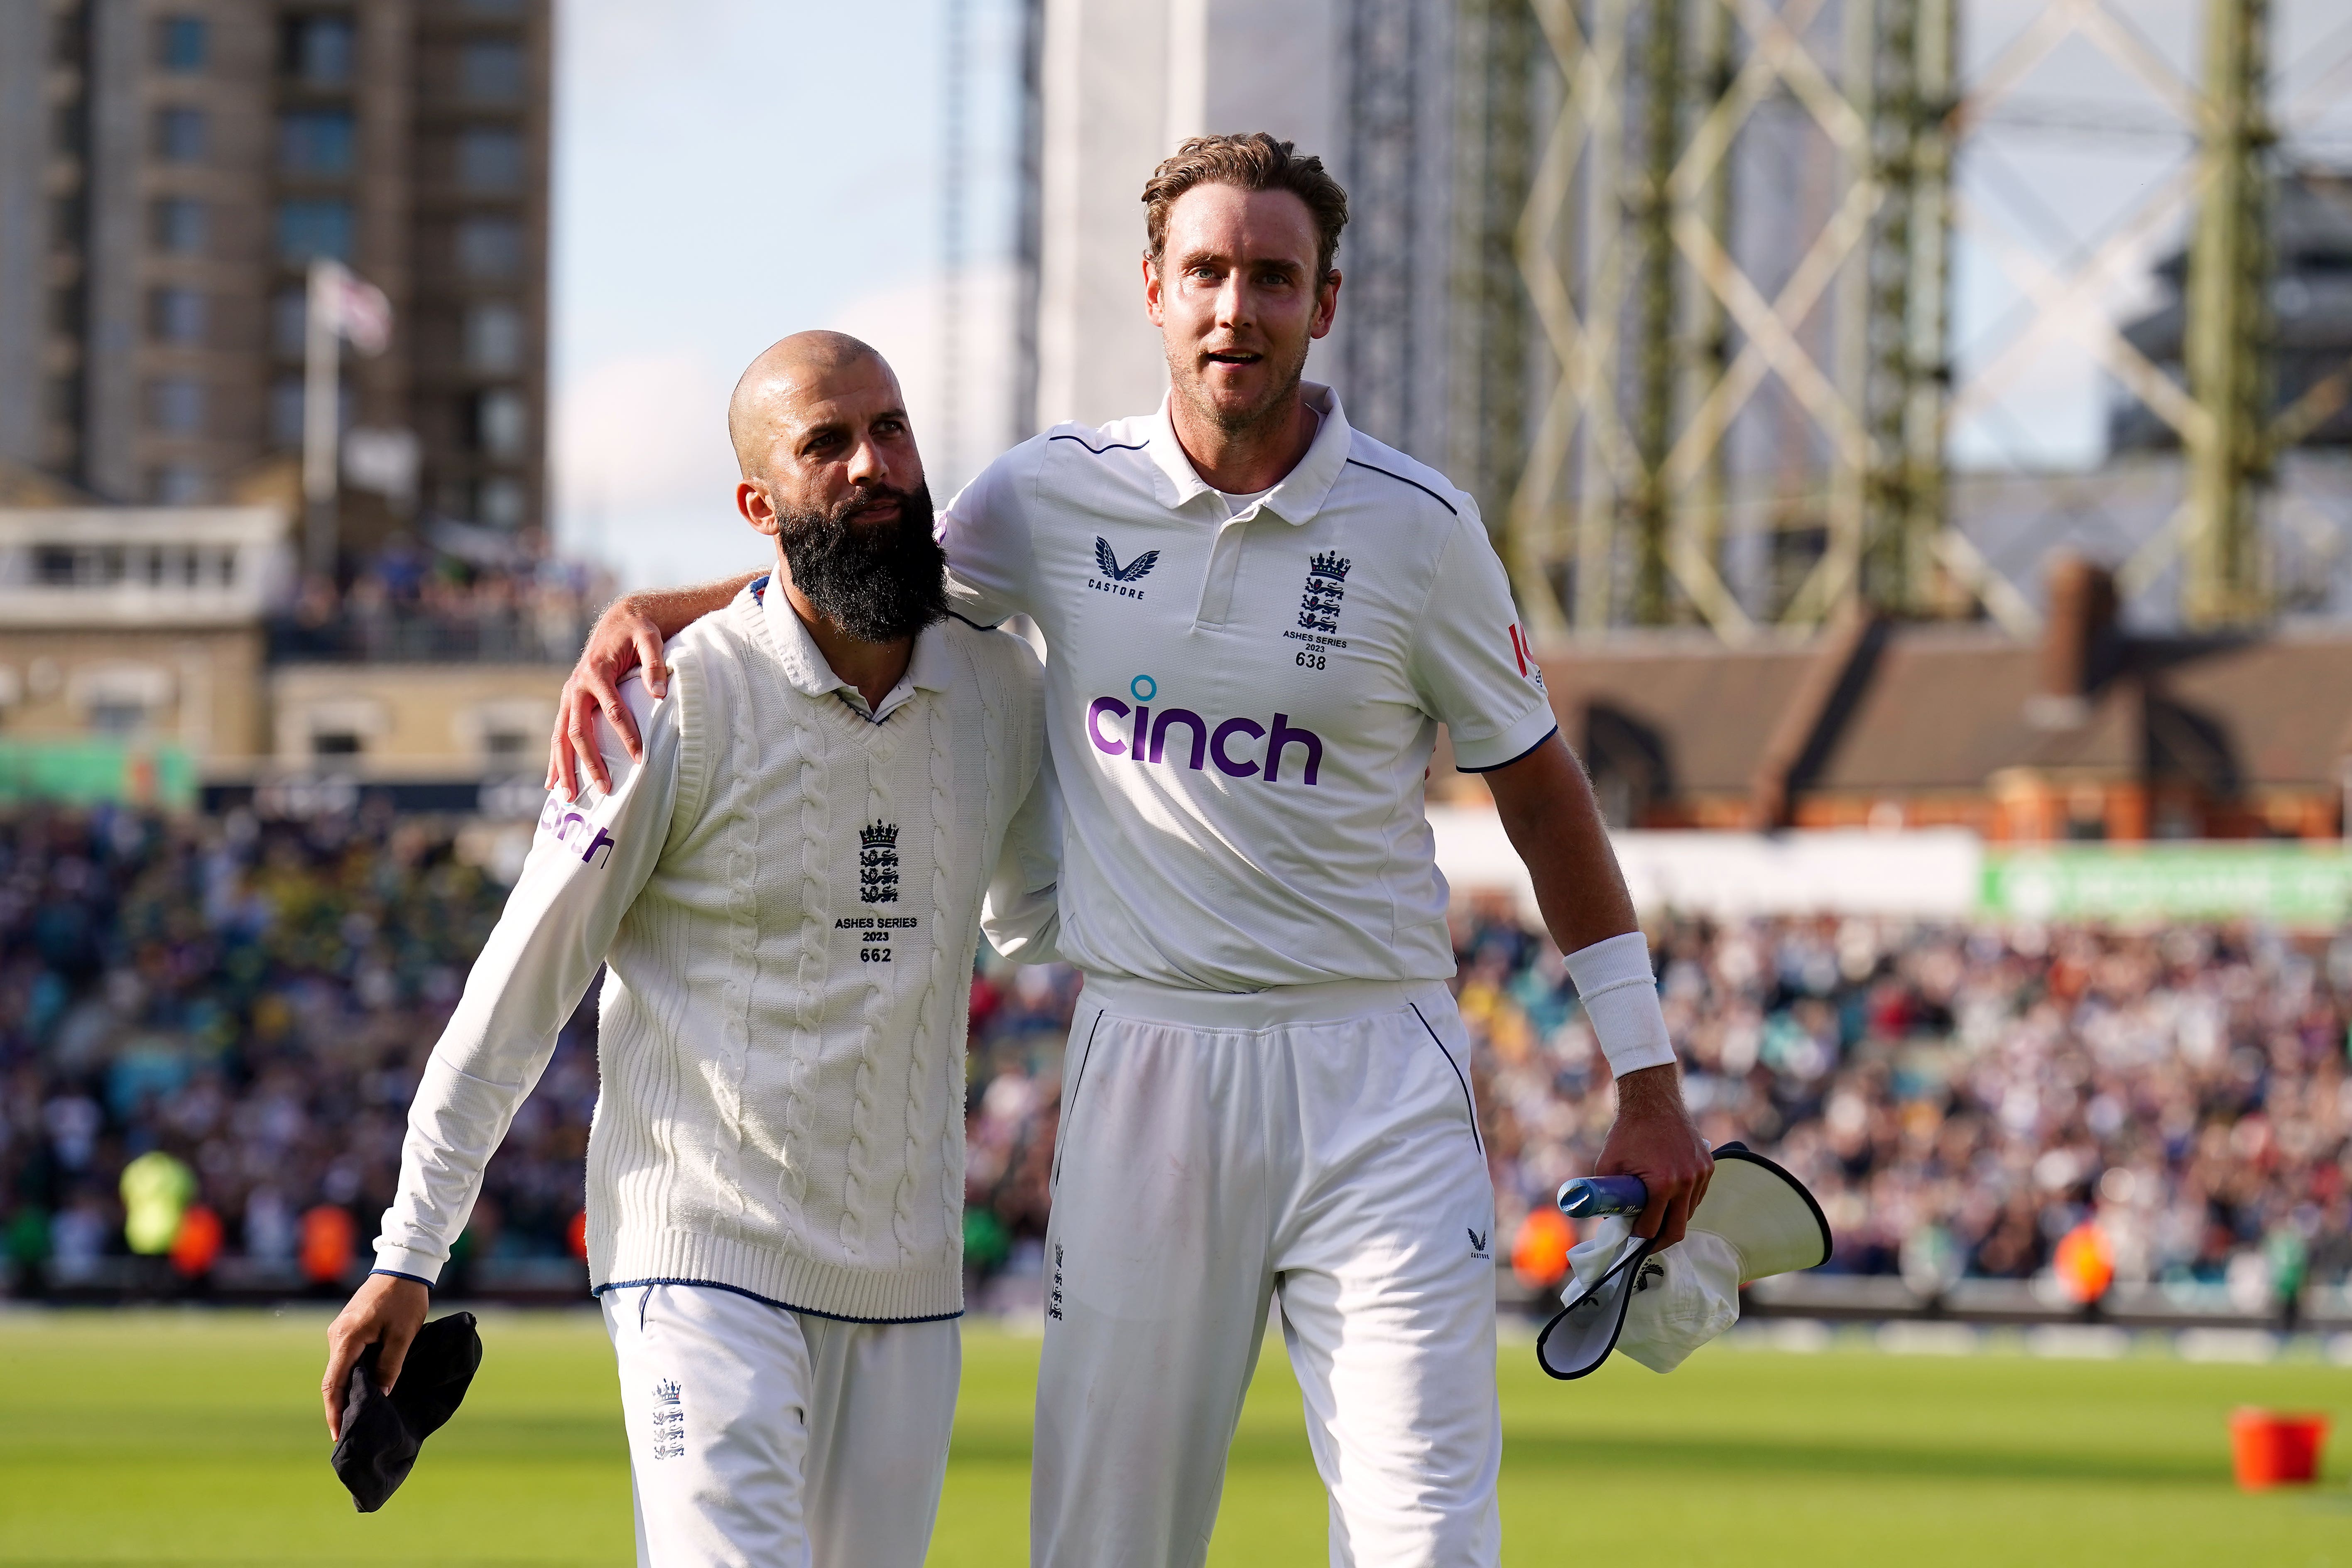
[1253, 162]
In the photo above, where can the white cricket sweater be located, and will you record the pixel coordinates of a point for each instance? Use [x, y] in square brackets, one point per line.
[787, 893]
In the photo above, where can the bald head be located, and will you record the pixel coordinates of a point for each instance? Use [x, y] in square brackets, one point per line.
[820, 429]
[782, 387]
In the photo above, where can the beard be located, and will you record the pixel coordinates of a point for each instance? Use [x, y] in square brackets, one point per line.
[878, 582]
[1281, 388]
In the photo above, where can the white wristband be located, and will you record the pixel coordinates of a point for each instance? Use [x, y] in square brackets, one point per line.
[1621, 999]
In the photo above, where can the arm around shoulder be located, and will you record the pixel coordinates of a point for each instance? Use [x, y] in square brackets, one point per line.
[628, 636]
[1021, 914]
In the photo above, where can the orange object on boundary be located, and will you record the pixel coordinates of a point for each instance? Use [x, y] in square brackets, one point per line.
[328, 1238]
[197, 1243]
[575, 1235]
[1539, 1252]
[2084, 1262]
[2272, 1448]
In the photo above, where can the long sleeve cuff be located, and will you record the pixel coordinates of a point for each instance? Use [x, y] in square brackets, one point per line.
[1620, 994]
[409, 1262]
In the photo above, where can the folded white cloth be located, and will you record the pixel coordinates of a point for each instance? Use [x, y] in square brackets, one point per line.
[1682, 1297]
[1658, 1305]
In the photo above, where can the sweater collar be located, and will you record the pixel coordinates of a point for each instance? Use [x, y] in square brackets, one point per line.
[805, 667]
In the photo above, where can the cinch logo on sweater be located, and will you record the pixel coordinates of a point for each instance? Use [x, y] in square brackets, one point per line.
[1144, 737]
[565, 821]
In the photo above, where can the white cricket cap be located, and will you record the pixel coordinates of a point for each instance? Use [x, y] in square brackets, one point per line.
[1756, 1221]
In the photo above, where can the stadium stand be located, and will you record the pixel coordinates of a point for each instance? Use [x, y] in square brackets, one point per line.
[254, 999]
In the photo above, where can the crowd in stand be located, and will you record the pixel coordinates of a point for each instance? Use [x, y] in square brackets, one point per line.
[476, 595]
[254, 1000]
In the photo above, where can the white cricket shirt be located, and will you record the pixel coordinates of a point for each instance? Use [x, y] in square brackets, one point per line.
[1241, 708]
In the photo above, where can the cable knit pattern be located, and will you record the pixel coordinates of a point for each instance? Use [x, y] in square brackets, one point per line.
[782, 1036]
[919, 1110]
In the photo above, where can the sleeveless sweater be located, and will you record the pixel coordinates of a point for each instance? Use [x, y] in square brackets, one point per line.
[786, 894]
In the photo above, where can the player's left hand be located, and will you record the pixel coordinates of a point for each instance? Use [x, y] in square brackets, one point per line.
[1653, 1138]
[386, 1307]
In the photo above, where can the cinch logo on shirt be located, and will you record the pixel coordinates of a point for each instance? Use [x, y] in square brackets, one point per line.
[1147, 738]
[556, 818]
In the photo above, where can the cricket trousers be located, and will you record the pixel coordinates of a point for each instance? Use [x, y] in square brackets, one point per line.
[763, 1438]
[1314, 1147]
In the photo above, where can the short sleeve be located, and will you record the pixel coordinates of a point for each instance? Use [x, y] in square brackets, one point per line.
[985, 530]
[1470, 663]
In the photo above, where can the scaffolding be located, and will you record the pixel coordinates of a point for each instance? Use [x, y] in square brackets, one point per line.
[1684, 386]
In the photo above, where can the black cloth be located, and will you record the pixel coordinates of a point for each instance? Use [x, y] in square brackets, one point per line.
[383, 1432]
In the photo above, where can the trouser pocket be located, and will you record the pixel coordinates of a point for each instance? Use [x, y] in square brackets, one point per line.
[1461, 1074]
[1078, 1081]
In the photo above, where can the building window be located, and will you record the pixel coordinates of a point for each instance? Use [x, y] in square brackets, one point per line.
[489, 248]
[176, 405]
[306, 229]
[500, 504]
[69, 127]
[492, 71]
[66, 304]
[490, 160]
[317, 50]
[177, 316]
[318, 142]
[286, 413]
[180, 225]
[182, 43]
[500, 421]
[493, 339]
[178, 484]
[290, 324]
[112, 717]
[181, 135]
[68, 216]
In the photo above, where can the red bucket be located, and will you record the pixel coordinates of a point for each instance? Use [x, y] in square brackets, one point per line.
[2272, 1448]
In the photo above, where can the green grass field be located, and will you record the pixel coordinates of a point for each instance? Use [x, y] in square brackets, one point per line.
[164, 1438]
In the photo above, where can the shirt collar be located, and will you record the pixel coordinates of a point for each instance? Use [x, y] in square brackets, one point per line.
[1301, 492]
[804, 663]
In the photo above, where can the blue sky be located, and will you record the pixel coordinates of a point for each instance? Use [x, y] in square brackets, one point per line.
[726, 172]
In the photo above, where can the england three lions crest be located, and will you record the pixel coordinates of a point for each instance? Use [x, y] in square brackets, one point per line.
[878, 863]
[1326, 579]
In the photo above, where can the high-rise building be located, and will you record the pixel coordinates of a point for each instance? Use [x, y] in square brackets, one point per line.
[168, 170]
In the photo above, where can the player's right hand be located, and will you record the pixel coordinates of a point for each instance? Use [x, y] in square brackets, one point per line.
[625, 635]
[384, 1308]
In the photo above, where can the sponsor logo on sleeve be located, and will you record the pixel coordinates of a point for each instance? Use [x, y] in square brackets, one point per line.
[577, 832]
[1122, 578]
[1526, 656]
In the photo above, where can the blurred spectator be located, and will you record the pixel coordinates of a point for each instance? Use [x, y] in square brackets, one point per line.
[482, 597]
[248, 1003]
[257, 998]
